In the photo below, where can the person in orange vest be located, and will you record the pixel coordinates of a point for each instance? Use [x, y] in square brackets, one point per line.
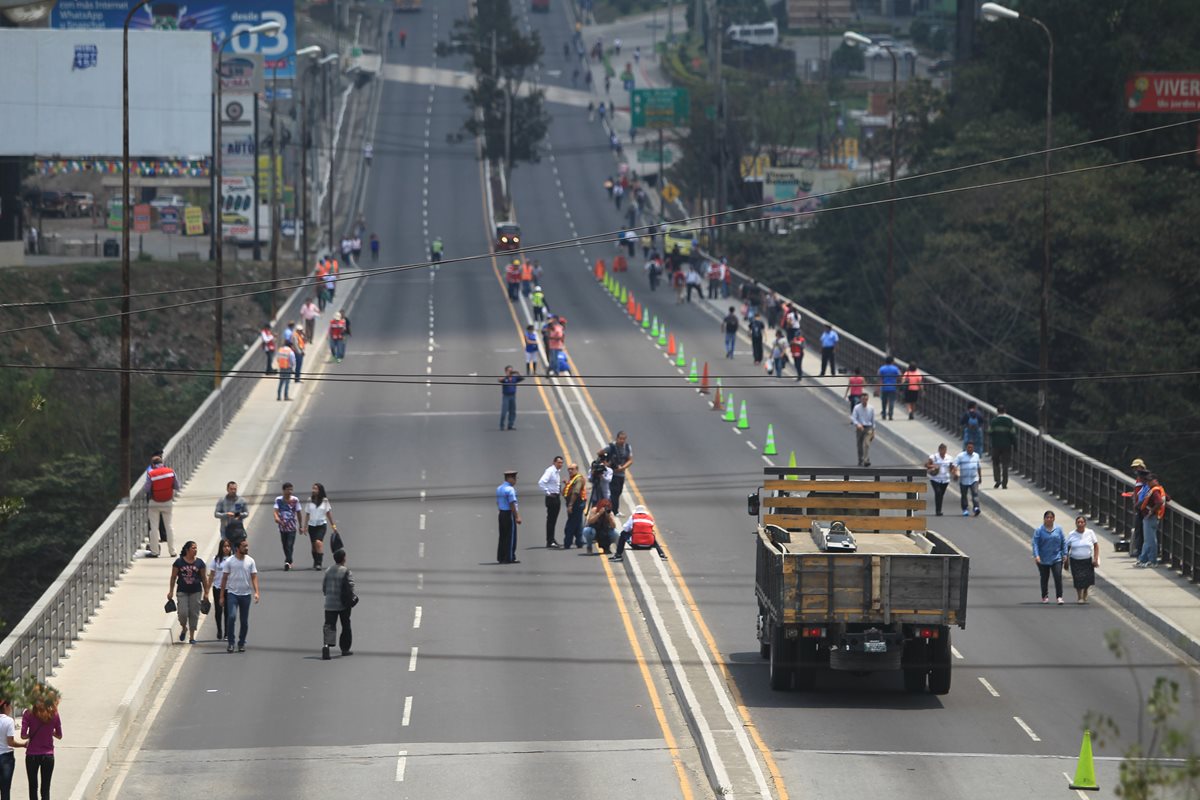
[797, 347]
[337, 337]
[322, 272]
[299, 343]
[161, 486]
[639, 532]
[1152, 508]
[512, 276]
[555, 339]
[527, 278]
[267, 340]
[714, 280]
[911, 381]
[285, 360]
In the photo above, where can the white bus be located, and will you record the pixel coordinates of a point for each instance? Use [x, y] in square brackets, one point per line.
[763, 33]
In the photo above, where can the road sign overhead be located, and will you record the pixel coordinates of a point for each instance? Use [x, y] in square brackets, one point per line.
[660, 108]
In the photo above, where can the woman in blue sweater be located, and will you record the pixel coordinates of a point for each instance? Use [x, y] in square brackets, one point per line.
[1049, 549]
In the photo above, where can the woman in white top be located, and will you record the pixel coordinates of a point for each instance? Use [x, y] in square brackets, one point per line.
[8, 740]
[938, 467]
[224, 551]
[318, 516]
[1083, 550]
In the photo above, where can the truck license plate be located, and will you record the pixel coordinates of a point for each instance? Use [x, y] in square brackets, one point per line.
[875, 647]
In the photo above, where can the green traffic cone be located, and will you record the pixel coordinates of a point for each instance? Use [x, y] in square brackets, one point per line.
[679, 359]
[693, 376]
[792, 463]
[730, 414]
[743, 422]
[654, 327]
[662, 335]
[1085, 771]
[645, 319]
[769, 449]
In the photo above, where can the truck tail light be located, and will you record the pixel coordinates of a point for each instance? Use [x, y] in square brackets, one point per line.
[516, 239]
[813, 633]
[927, 633]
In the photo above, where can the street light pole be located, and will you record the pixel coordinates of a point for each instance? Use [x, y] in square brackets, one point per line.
[992, 12]
[126, 432]
[312, 50]
[270, 29]
[330, 59]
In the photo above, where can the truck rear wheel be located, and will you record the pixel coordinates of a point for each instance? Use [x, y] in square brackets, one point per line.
[940, 658]
[783, 660]
[915, 663]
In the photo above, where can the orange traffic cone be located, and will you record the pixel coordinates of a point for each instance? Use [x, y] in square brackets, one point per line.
[638, 316]
[718, 405]
[599, 269]
[704, 380]
[671, 345]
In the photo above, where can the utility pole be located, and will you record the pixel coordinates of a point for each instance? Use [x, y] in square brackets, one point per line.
[304, 172]
[274, 189]
[720, 194]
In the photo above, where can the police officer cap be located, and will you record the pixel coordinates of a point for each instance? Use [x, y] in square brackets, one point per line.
[508, 472]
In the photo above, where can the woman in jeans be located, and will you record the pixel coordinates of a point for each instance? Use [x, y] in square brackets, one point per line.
[189, 577]
[601, 527]
[1049, 549]
[318, 516]
[8, 740]
[224, 551]
[40, 726]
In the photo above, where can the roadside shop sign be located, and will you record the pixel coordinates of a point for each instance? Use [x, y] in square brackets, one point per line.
[1163, 92]
[661, 108]
[168, 220]
[193, 221]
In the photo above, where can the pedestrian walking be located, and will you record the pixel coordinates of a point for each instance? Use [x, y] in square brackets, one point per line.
[679, 281]
[797, 347]
[968, 470]
[829, 342]
[161, 486]
[1049, 549]
[309, 313]
[285, 362]
[508, 397]
[267, 342]
[368, 155]
[213, 579]
[972, 426]
[756, 327]
[889, 378]
[8, 742]
[729, 326]
[189, 581]
[239, 581]
[299, 345]
[338, 588]
[620, 459]
[40, 726]
[600, 528]
[575, 498]
[555, 340]
[938, 465]
[1002, 431]
[863, 417]
[694, 284]
[509, 519]
[531, 350]
[1083, 556]
[791, 321]
[403, 38]
[537, 301]
[318, 518]
[856, 387]
[339, 329]
[551, 484]
[287, 511]
[231, 510]
[1153, 508]
[374, 248]
[779, 351]
[911, 379]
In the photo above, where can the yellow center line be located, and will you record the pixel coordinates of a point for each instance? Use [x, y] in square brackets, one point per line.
[685, 783]
[694, 608]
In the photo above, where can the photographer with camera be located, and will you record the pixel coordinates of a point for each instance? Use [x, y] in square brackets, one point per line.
[600, 474]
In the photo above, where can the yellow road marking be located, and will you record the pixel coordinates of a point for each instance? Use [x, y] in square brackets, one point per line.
[685, 783]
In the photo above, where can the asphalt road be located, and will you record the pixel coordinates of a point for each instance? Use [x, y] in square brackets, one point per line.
[522, 681]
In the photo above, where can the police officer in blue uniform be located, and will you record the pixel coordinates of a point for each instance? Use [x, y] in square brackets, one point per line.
[510, 518]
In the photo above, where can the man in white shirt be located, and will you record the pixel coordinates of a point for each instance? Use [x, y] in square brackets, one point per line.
[551, 485]
[863, 417]
[938, 466]
[968, 469]
[239, 580]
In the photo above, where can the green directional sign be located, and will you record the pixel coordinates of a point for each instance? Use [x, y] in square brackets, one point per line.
[661, 108]
[651, 155]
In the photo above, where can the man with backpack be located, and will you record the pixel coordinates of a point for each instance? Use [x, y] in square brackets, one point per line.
[231, 510]
[161, 486]
[638, 532]
[1153, 508]
[729, 326]
[338, 588]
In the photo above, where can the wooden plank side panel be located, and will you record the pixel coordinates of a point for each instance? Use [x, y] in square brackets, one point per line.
[855, 524]
[872, 503]
[898, 487]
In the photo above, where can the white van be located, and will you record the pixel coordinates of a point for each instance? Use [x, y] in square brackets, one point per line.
[763, 33]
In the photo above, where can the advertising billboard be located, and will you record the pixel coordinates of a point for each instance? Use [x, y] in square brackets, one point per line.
[220, 19]
[237, 211]
[788, 190]
[1163, 92]
[61, 94]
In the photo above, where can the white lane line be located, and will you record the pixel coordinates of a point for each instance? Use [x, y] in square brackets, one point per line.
[417, 619]
[1027, 729]
[401, 763]
[770, 463]
[421, 522]
[991, 690]
[421, 548]
[422, 495]
[412, 660]
[420, 580]
[407, 712]
[738, 431]
[1079, 792]
[752, 445]
[957, 654]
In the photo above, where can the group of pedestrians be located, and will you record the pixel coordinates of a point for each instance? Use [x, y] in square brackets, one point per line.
[1079, 551]
[285, 353]
[40, 726]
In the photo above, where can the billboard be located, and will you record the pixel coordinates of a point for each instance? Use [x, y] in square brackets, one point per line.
[788, 190]
[1163, 92]
[220, 19]
[237, 211]
[61, 94]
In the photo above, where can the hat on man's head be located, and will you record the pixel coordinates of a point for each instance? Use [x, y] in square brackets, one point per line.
[508, 472]
[1138, 463]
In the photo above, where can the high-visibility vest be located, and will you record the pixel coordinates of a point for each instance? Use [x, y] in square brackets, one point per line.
[642, 530]
[797, 347]
[538, 299]
[570, 487]
[335, 268]
[283, 359]
[527, 271]
[512, 273]
[337, 328]
[322, 269]
[1161, 509]
[162, 484]
[298, 343]
[268, 340]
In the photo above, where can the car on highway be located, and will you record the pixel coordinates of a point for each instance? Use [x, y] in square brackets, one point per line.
[168, 201]
[508, 236]
[678, 236]
[80, 204]
[879, 49]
